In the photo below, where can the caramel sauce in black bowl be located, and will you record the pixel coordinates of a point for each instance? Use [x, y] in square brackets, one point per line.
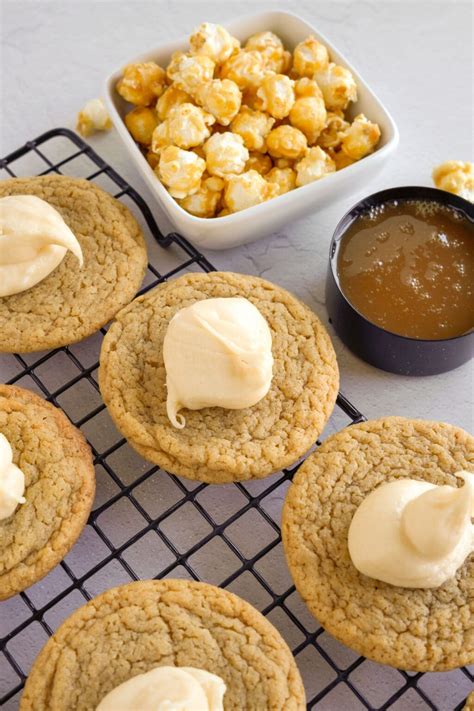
[398, 290]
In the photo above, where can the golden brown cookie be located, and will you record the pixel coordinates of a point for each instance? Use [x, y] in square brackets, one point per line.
[219, 445]
[133, 628]
[59, 488]
[415, 629]
[72, 303]
[469, 706]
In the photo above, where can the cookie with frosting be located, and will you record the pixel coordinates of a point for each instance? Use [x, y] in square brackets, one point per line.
[219, 377]
[379, 540]
[71, 256]
[47, 486]
[165, 644]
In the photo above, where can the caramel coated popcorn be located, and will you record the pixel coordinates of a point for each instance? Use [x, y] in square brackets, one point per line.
[141, 122]
[261, 162]
[186, 126]
[254, 127]
[456, 177]
[213, 41]
[284, 178]
[277, 58]
[226, 125]
[225, 154]
[276, 95]
[310, 56]
[246, 68]
[286, 142]
[180, 171]
[338, 86]
[222, 98]
[93, 117]
[314, 166]
[142, 83]
[247, 190]
[360, 138]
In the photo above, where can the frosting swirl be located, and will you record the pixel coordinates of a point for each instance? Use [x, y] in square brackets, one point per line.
[12, 481]
[167, 689]
[33, 241]
[217, 353]
[413, 534]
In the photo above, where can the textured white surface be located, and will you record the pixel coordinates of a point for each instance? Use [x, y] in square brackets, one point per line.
[417, 57]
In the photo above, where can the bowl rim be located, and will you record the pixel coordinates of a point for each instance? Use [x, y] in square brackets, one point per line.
[174, 206]
[401, 192]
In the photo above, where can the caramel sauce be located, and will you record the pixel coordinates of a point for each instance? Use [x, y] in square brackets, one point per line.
[408, 267]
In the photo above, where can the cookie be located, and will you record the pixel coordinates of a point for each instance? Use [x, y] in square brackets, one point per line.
[133, 628]
[59, 488]
[415, 629]
[219, 445]
[71, 303]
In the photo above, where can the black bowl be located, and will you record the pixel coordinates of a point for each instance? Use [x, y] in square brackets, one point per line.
[386, 350]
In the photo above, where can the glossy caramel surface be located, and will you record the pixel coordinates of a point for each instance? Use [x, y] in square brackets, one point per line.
[408, 267]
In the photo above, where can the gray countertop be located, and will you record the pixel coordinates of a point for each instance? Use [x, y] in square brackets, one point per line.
[417, 57]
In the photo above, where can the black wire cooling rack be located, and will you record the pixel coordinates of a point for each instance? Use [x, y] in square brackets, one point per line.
[135, 529]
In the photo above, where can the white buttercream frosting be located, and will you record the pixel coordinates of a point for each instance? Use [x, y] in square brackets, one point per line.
[217, 353]
[167, 689]
[12, 481]
[414, 534]
[33, 241]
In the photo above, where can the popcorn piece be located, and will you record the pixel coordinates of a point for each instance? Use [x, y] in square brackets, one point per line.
[307, 87]
[276, 95]
[153, 158]
[315, 165]
[309, 115]
[171, 97]
[142, 83]
[334, 129]
[205, 201]
[338, 86]
[92, 118]
[285, 178]
[284, 163]
[224, 212]
[247, 190]
[222, 98]
[141, 122]
[360, 138]
[253, 126]
[340, 159]
[247, 69]
[189, 72]
[310, 56]
[277, 59]
[180, 171]
[213, 41]
[261, 162]
[225, 154]
[186, 126]
[456, 177]
[286, 142]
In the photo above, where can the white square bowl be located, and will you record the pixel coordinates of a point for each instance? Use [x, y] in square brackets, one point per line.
[255, 222]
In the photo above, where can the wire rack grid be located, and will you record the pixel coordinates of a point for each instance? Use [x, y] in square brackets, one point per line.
[231, 535]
